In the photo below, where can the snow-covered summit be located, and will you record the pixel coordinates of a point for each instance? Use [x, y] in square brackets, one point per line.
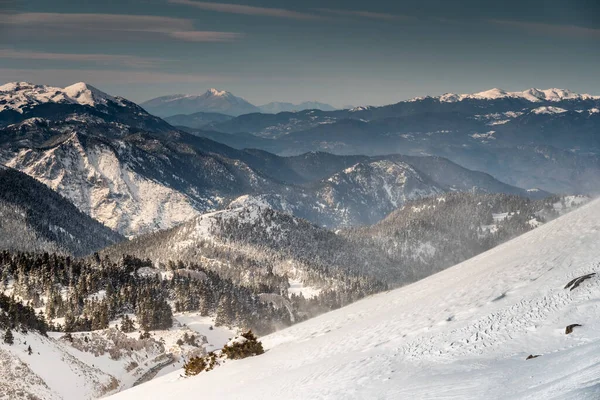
[84, 93]
[212, 92]
[18, 96]
[464, 333]
[216, 92]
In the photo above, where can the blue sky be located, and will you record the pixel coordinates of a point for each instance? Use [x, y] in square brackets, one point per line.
[341, 52]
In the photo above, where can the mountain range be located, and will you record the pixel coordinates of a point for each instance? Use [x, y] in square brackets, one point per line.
[135, 173]
[215, 101]
[534, 138]
[224, 238]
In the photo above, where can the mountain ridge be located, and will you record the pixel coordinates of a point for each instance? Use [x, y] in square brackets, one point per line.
[213, 100]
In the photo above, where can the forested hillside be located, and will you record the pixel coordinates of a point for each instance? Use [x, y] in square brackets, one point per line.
[428, 235]
[255, 245]
[36, 218]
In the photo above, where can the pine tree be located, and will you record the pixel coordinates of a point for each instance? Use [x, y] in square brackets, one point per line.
[127, 324]
[8, 337]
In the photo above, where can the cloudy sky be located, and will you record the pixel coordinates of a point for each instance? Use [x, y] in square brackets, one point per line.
[342, 52]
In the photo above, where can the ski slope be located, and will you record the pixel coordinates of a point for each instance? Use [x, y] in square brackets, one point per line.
[463, 333]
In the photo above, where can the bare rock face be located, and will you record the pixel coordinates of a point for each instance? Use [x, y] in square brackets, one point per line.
[577, 281]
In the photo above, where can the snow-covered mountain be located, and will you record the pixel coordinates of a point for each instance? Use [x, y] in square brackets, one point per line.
[136, 183]
[533, 95]
[20, 101]
[131, 181]
[264, 242]
[136, 174]
[370, 188]
[466, 332]
[277, 107]
[212, 101]
[366, 192]
[19, 96]
[498, 132]
[219, 101]
[34, 218]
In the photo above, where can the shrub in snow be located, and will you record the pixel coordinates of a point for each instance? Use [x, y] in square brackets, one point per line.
[245, 345]
[194, 366]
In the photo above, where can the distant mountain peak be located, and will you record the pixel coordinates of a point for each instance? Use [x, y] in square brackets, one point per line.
[211, 101]
[85, 93]
[492, 93]
[17, 96]
[534, 95]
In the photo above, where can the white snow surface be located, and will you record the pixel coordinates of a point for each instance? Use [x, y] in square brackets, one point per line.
[548, 110]
[59, 370]
[463, 333]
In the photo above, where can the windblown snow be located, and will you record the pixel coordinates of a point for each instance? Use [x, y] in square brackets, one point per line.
[463, 333]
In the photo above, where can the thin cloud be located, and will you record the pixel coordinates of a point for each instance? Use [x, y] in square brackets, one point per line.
[367, 14]
[206, 36]
[552, 29]
[63, 77]
[106, 59]
[247, 10]
[81, 24]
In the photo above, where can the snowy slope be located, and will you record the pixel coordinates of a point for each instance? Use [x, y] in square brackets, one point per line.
[108, 361]
[462, 333]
